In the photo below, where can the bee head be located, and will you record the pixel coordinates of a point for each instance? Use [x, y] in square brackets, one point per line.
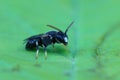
[62, 38]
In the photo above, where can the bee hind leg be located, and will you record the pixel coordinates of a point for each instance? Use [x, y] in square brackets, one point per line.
[45, 52]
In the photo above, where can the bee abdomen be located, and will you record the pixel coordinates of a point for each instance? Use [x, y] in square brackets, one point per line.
[30, 45]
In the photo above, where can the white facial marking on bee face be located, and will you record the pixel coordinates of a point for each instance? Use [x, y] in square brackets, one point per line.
[65, 39]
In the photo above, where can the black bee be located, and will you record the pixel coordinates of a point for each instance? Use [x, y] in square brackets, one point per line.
[43, 40]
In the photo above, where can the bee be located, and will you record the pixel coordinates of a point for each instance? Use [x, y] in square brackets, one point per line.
[48, 38]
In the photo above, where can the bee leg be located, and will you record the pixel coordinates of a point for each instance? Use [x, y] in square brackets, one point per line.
[37, 47]
[45, 53]
[37, 54]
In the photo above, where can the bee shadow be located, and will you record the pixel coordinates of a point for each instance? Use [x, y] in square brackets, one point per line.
[53, 50]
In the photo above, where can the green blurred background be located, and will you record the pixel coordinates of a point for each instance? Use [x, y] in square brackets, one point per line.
[93, 50]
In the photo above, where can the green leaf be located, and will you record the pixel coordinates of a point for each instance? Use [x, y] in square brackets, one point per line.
[93, 49]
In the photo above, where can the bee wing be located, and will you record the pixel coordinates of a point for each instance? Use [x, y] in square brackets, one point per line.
[34, 37]
[54, 28]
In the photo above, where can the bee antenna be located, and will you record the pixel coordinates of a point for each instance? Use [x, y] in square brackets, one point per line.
[69, 27]
[54, 28]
